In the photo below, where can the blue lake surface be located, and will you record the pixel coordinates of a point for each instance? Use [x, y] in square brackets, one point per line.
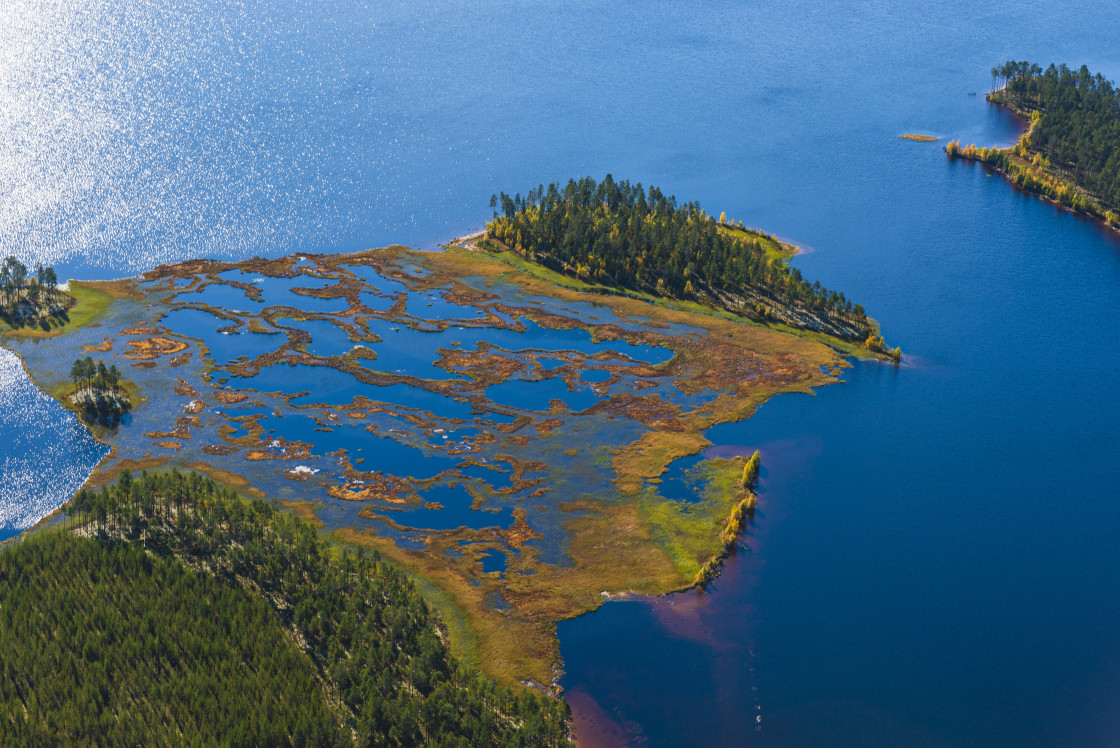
[379, 450]
[273, 292]
[327, 338]
[224, 347]
[46, 455]
[934, 560]
[537, 395]
[432, 305]
[456, 512]
[406, 350]
[374, 279]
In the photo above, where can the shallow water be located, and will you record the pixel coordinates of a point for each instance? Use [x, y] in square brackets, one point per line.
[537, 396]
[224, 347]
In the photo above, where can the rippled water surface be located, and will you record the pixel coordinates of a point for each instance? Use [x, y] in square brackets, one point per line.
[934, 561]
[46, 453]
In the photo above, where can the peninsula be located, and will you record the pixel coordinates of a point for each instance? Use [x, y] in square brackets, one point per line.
[1071, 152]
[496, 420]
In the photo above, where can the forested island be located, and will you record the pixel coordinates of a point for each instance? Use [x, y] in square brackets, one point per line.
[621, 236]
[99, 394]
[168, 610]
[1071, 152]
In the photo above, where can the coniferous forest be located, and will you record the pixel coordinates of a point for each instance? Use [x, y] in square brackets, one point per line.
[170, 611]
[620, 235]
[1072, 152]
[27, 300]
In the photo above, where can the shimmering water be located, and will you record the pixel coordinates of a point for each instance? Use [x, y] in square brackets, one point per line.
[47, 453]
[934, 561]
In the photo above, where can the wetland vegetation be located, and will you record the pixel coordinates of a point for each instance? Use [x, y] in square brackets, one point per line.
[424, 406]
[1071, 152]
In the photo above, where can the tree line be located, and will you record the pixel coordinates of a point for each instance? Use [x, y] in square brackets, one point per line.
[92, 376]
[370, 667]
[621, 235]
[16, 285]
[1074, 136]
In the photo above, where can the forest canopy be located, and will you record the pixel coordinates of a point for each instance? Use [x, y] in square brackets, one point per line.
[620, 235]
[170, 611]
[1074, 135]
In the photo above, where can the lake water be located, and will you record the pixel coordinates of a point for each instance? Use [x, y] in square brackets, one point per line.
[934, 560]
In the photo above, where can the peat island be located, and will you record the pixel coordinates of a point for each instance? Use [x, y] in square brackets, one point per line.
[496, 419]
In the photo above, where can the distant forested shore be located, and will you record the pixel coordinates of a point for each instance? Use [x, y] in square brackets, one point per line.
[1071, 152]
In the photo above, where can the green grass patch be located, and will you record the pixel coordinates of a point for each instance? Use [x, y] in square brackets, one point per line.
[773, 248]
[464, 641]
[689, 532]
[90, 304]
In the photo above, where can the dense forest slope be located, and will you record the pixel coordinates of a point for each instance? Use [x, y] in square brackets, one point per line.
[619, 235]
[172, 612]
[1071, 153]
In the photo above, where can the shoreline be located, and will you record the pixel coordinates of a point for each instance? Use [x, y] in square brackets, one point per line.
[1032, 179]
[787, 250]
[54, 515]
[522, 645]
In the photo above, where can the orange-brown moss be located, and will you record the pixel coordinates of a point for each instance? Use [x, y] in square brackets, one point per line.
[376, 487]
[234, 480]
[220, 449]
[230, 398]
[154, 347]
[104, 346]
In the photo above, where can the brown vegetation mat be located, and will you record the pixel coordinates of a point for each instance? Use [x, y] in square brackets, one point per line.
[230, 398]
[377, 487]
[104, 346]
[150, 348]
[185, 389]
[234, 480]
[194, 407]
[109, 469]
[182, 430]
[220, 449]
